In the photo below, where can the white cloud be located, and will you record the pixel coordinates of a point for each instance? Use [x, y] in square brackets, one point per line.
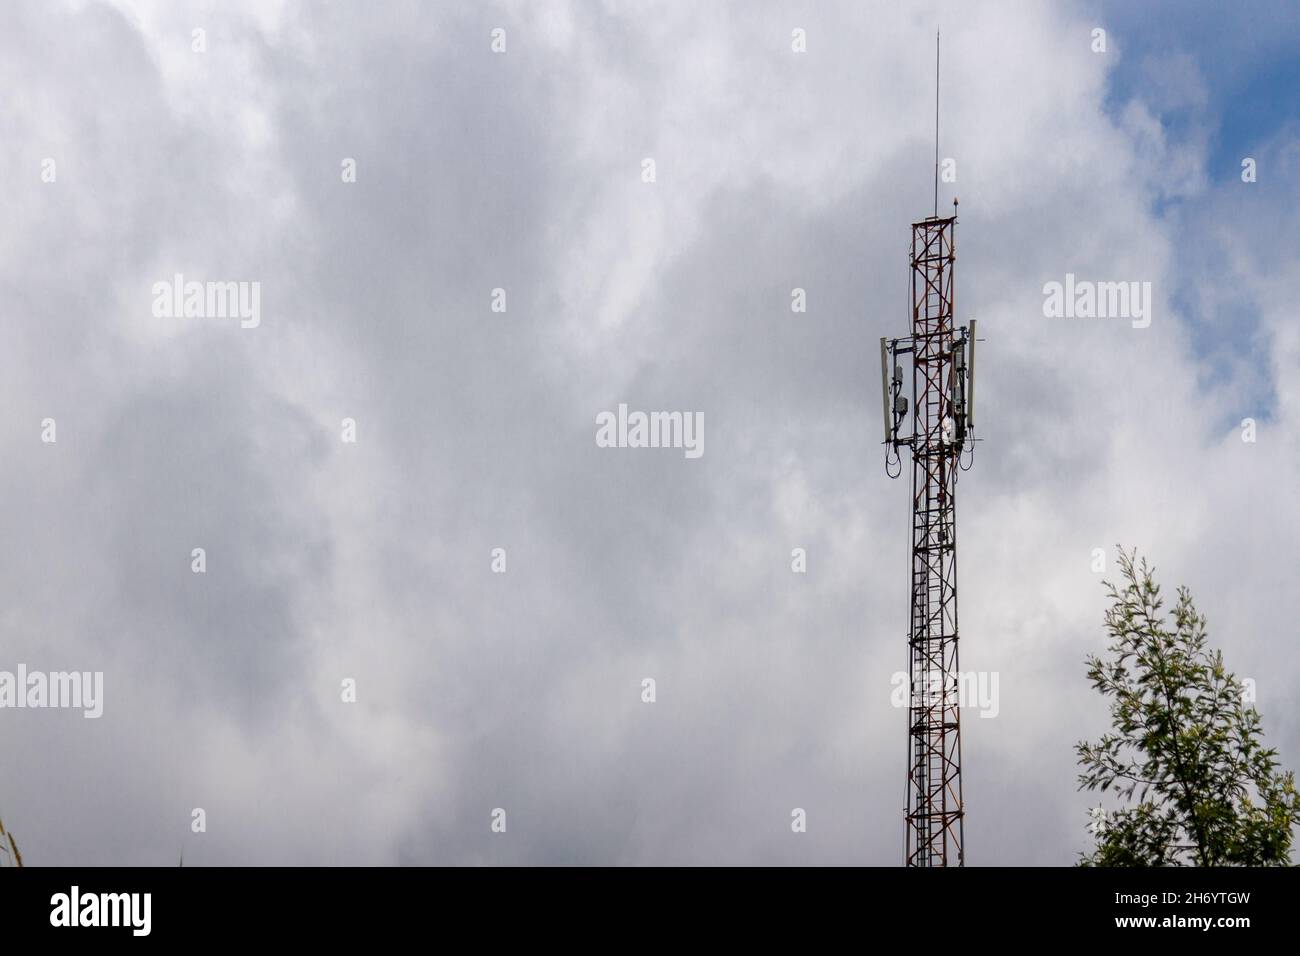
[372, 561]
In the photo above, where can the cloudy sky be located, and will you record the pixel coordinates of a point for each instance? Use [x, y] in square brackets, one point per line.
[371, 561]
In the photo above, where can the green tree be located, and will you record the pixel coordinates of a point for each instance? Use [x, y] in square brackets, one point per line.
[1186, 753]
[9, 855]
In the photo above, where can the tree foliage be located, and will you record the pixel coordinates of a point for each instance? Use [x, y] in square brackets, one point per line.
[1186, 752]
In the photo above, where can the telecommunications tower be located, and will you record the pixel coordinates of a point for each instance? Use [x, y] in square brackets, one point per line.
[940, 360]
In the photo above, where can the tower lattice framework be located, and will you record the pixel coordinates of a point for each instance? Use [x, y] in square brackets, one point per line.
[942, 386]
